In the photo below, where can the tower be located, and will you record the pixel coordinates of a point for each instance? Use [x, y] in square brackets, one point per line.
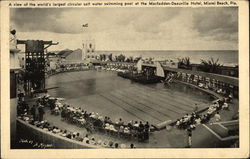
[88, 44]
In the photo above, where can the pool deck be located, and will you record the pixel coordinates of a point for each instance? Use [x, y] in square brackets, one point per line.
[166, 138]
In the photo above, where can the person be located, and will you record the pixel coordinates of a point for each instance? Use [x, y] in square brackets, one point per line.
[219, 91]
[136, 124]
[126, 130]
[192, 126]
[99, 142]
[41, 112]
[146, 131]
[217, 117]
[110, 143]
[32, 92]
[64, 134]
[78, 138]
[130, 125]
[196, 107]
[86, 138]
[34, 112]
[230, 97]
[178, 123]
[104, 144]
[120, 122]
[121, 130]
[225, 106]
[55, 111]
[189, 131]
[56, 130]
[92, 141]
[116, 145]
[69, 135]
[132, 146]
[63, 113]
[198, 121]
[123, 146]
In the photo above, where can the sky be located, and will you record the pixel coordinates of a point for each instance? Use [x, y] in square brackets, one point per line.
[210, 28]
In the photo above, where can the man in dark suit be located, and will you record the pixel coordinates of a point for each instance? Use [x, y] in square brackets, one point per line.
[41, 112]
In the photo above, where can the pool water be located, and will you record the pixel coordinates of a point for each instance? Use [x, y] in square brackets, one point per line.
[110, 95]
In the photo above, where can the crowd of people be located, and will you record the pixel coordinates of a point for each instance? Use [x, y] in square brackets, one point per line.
[170, 77]
[209, 84]
[189, 121]
[87, 139]
[34, 116]
[66, 68]
[94, 122]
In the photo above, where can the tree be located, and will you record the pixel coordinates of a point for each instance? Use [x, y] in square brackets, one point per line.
[131, 59]
[210, 65]
[137, 59]
[116, 58]
[121, 58]
[110, 57]
[104, 57]
[184, 63]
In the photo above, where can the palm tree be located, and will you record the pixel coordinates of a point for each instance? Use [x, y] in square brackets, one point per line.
[210, 65]
[184, 62]
[137, 59]
[110, 57]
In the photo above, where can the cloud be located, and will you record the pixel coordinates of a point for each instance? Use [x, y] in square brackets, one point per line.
[70, 20]
[149, 20]
[216, 23]
[38, 19]
[132, 28]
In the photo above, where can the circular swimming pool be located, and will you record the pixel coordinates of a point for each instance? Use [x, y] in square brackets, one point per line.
[106, 93]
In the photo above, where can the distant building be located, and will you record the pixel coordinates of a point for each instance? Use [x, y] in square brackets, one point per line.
[169, 63]
[223, 70]
[88, 49]
[230, 71]
[74, 55]
[64, 53]
[52, 60]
